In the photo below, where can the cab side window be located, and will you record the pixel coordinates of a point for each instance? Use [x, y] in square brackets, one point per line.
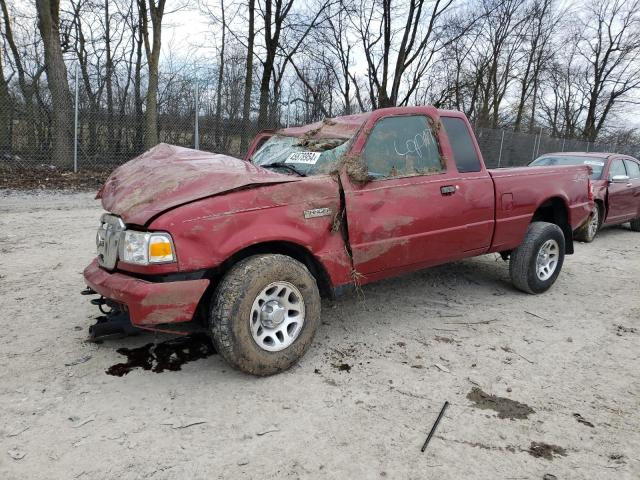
[633, 168]
[617, 168]
[402, 146]
[464, 153]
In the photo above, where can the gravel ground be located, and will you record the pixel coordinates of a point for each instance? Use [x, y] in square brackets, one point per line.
[537, 385]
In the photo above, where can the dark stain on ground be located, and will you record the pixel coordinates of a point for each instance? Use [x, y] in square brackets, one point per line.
[343, 367]
[505, 407]
[168, 355]
[546, 451]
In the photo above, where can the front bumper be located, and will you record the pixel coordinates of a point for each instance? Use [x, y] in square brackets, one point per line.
[148, 303]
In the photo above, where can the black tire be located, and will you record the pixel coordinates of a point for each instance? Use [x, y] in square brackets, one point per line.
[231, 310]
[585, 233]
[635, 225]
[523, 260]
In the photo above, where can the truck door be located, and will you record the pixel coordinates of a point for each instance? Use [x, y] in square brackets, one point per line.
[621, 198]
[415, 210]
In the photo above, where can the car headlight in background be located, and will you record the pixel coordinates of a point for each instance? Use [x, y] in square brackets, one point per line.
[144, 248]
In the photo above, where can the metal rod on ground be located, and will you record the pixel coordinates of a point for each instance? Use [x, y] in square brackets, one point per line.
[539, 140]
[433, 429]
[197, 126]
[501, 143]
[75, 128]
[562, 145]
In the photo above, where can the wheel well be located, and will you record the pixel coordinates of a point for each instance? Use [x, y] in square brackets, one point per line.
[292, 250]
[554, 210]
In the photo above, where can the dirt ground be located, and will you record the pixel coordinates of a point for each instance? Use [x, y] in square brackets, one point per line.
[537, 385]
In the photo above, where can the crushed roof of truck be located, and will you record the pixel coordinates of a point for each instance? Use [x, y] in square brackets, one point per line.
[338, 127]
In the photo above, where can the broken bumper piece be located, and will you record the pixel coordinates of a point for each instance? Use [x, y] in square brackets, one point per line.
[147, 303]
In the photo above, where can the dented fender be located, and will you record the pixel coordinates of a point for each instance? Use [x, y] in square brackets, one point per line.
[208, 232]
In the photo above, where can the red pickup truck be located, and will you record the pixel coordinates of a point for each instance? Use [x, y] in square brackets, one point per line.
[247, 247]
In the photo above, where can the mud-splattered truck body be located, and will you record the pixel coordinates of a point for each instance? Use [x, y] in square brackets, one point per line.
[246, 247]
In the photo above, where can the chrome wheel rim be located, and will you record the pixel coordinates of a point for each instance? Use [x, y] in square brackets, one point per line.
[277, 316]
[547, 260]
[593, 224]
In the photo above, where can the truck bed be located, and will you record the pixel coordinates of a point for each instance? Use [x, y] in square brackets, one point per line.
[520, 191]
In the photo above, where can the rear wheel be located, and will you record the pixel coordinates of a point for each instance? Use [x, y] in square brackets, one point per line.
[635, 225]
[536, 263]
[589, 230]
[265, 313]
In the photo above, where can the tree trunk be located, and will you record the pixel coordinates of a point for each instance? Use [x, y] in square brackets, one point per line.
[6, 113]
[108, 73]
[248, 80]
[138, 142]
[151, 112]
[152, 48]
[218, 118]
[62, 114]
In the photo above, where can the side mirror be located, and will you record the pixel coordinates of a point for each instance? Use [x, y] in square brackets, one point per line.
[620, 179]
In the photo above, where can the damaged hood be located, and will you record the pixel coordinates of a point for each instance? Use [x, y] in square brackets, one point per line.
[168, 176]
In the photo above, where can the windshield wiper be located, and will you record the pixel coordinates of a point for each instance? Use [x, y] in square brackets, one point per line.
[286, 166]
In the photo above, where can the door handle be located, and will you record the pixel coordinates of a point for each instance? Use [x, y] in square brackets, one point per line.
[448, 189]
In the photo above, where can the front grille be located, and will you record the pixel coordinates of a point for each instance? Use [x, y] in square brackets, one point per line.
[108, 239]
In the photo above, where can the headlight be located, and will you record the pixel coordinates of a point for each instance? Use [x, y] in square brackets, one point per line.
[143, 248]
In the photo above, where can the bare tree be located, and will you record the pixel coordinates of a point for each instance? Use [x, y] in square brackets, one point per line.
[6, 111]
[541, 25]
[392, 60]
[49, 25]
[248, 76]
[610, 47]
[152, 44]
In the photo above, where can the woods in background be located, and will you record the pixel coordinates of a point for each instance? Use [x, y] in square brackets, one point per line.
[572, 69]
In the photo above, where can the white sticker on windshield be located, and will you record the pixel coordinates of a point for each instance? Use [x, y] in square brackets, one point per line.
[595, 163]
[309, 158]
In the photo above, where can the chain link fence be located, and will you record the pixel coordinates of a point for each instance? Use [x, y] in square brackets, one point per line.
[504, 148]
[104, 134]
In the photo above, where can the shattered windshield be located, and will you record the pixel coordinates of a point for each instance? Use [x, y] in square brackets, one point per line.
[300, 155]
[596, 164]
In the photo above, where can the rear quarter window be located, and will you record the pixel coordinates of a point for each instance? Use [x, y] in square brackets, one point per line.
[464, 152]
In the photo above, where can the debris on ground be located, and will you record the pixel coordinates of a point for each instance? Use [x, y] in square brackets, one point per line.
[343, 367]
[435, 425]
[178, 424]
[581, 419]
[80, 360]
[442, 368]
[82, 422]
[17, 431]
[505, 407]
[16, 454]
[620, 330]
[441, 339]
[50, 178]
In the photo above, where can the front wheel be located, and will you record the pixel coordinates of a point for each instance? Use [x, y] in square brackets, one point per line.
[265, 313]
[536, 263]
[635, 225]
